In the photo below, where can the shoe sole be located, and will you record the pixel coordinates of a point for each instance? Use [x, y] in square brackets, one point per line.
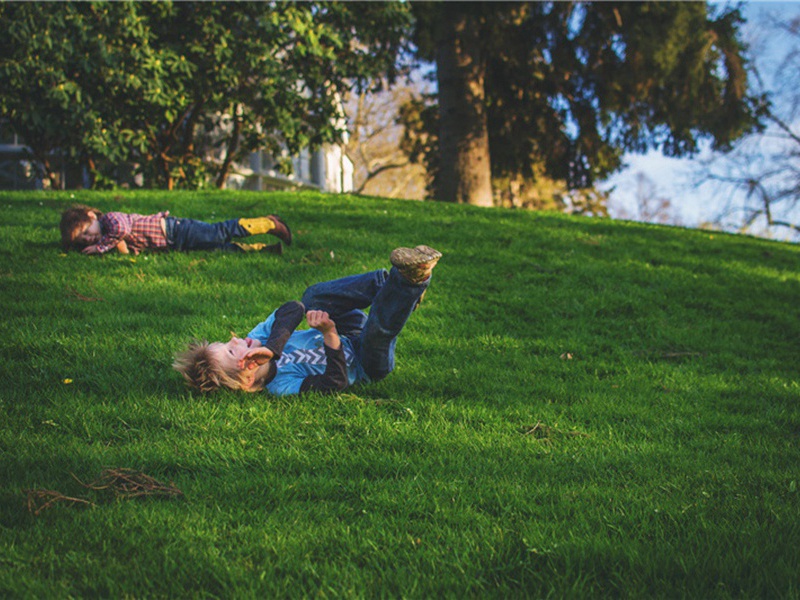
[411, 257]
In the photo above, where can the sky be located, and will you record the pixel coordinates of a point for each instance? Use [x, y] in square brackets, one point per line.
[671, 178]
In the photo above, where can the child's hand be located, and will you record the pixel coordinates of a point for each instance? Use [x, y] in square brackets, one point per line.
[320, 320]
[91, 249]
[122, 248]
[254, 358]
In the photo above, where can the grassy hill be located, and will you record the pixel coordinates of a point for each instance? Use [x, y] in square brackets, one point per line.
[581, 408]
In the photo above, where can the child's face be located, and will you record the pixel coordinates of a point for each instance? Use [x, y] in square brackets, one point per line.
[90, 234]
[229, 355]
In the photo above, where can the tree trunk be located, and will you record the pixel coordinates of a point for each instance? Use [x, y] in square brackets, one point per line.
[165, 171]
[233, 146]
[465, 173]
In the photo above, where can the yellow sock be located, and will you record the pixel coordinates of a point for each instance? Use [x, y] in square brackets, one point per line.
[259, 247]
[257, 225]
[250, 247]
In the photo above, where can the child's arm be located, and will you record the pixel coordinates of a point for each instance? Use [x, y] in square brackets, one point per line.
[255, 358]
[115, 227]
[287, 318]
[285, 321]
[319, 320]
[335, 376]
[122, 248]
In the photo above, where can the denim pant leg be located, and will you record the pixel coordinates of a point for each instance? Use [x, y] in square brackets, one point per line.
[390, 310]
[343, 295]
[189, 234]
[392, 301]
[350, 324]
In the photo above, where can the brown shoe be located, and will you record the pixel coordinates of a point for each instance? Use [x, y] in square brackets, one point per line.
[281, 230]
[415, 264]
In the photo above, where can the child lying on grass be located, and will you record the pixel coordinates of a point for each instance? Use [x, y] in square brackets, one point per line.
[344, 345]
[89, 230]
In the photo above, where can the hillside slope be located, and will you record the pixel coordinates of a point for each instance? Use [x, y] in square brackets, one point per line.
[581, 407]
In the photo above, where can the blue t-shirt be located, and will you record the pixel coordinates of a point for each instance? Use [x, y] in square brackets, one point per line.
[290, 377]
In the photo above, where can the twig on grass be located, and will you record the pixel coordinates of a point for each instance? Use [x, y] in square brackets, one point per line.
[125, 483]
[80, 296]
[130, 483]
[40, 500]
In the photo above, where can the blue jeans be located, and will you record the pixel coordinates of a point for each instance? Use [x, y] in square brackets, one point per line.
[188, 234]
[374, 337]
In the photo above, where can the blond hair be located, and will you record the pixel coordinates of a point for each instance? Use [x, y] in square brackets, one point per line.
[201, 371]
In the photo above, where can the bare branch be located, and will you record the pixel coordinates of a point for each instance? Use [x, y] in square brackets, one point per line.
[780, 123]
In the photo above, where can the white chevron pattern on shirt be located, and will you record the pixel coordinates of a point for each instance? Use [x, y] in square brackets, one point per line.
[312, 356]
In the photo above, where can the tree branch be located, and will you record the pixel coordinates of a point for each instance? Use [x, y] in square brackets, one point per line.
[780, 123]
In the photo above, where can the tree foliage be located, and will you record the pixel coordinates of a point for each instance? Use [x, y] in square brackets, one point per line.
[572, 86]
[183, 89]
[59, 69]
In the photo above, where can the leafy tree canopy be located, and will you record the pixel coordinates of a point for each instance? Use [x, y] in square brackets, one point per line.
[572, 86]
[162, 84]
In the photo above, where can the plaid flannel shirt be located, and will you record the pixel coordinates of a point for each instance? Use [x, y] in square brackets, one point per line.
[137, 231]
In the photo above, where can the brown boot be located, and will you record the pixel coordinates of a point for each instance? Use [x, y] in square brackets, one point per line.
[281, 230]
[415, 264]
[271, 224]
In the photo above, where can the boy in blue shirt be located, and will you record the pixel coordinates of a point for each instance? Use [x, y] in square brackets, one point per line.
[343, 346]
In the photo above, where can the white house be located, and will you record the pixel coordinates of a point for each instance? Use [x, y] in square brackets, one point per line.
[328, 169]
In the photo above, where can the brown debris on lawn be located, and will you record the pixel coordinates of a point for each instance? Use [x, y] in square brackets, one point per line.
[71, 291]
[124, 483]
[130, 483]
[40, 500]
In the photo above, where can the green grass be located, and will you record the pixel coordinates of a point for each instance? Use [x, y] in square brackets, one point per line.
[581, 408]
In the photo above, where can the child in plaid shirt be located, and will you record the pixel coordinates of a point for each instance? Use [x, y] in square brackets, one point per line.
[93, 232]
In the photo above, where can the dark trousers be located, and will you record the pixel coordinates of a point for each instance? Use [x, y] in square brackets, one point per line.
[188, 234]
[392, 300]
